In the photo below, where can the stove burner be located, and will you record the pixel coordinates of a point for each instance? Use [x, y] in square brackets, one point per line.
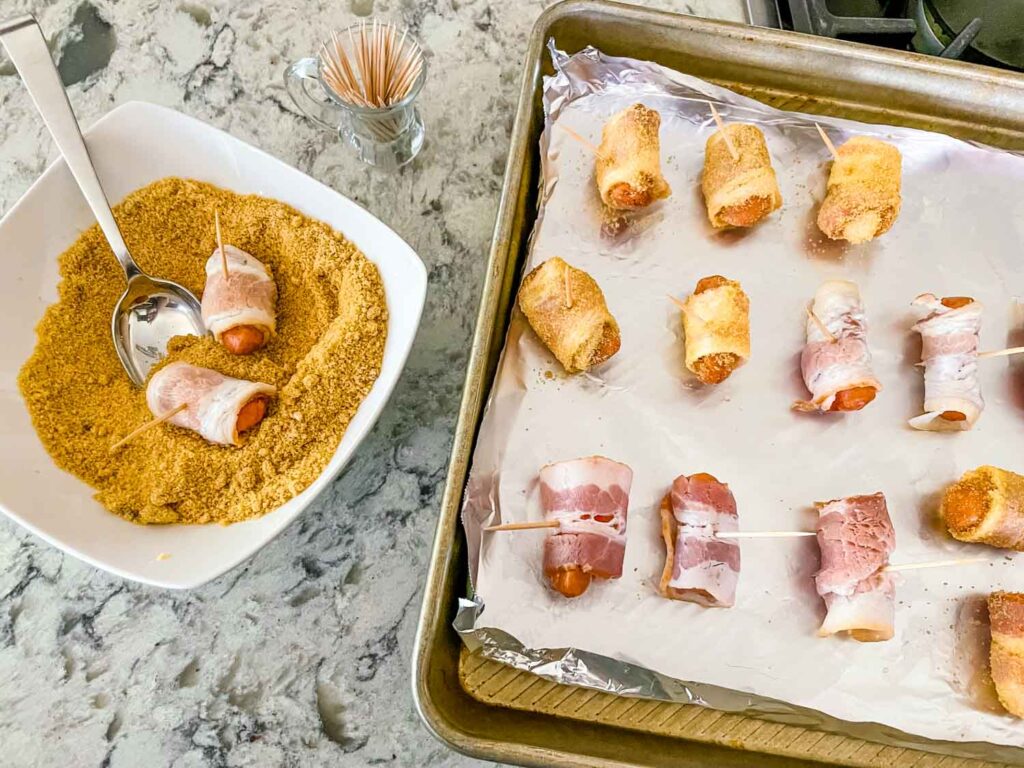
[999, 40]
[984, 31]
[814, 17]
[927, 41]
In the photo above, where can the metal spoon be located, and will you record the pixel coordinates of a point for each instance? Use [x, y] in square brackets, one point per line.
[150, 311]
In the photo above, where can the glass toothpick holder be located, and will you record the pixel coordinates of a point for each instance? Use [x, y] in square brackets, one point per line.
[363, 85]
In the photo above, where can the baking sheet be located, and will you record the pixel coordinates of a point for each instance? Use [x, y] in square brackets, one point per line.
[958, 233]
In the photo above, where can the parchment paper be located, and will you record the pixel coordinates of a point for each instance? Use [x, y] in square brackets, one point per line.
[959, 233]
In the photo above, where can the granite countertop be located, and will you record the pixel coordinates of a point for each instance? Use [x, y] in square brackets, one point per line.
[301, 655]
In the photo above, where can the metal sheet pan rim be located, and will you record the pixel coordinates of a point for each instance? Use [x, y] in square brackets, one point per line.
[434, 628]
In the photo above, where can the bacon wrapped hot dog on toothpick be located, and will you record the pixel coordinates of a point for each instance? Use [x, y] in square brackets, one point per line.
[739, 182]
[863, 198]
[1006, 654]
[588, 499]
[986, 506]
[949, 351]
[856, 538]
[239, 301]
[836, 362]
[629, 160]
[216, 406]
[699, 567]
[567, 310]
[716, 322]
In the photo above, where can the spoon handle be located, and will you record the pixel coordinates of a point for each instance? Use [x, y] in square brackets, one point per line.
[27, 48]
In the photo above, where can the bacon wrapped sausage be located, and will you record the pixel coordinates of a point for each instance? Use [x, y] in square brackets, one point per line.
[949, 350]
[1006, 654]
[986, 506]
[856, 538]
[239, 309]
[836, 362]
[863, 198]
[716, 321]
[629, 160]
[566, 308]
[589, 498]
[699, 567]
[739, 191]
[218, 407]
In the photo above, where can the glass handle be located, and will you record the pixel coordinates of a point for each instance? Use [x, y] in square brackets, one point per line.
[298, 79]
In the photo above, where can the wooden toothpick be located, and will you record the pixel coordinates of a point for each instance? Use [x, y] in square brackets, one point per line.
[821, 326]
[990, 353]
[678, 302]
[936, 564]
[828, 142]
[763, 534]
[220, 244]
[377, 68]
[524, 526]
[725, 135]
[1001, 352]
[568, 287]
[147, 426]
[581, 140]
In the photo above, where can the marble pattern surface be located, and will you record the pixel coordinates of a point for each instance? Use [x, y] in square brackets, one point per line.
[301, 655]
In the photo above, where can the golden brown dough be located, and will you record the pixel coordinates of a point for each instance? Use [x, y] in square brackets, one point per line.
[566, 308]
[629, 160]
[741, 191]
[863, 198]
[1006, 615]
[986, 506]
[716, 322]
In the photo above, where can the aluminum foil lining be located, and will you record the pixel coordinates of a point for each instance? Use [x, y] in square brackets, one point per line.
[959, 233]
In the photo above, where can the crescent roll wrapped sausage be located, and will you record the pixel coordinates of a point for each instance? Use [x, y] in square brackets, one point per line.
[739, 191]
[836, 361]
[629, 160]
[986, 506]
[716, 321]
[1006, 654]
[949, 350]
[863, 198]
[566, 308]
[218, 407]
[239, 309]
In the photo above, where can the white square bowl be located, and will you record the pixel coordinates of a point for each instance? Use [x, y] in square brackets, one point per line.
[134, 145]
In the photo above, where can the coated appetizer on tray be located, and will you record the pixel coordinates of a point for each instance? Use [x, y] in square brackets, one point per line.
[701, 488]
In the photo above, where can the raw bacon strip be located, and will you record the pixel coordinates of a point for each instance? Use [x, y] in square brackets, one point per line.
[1006, 615]
[629, 160]
[837, 373]
[986, 506]
[856, 538]
[214, 401]
[246, 297]
[699, 567]
[589, 498]
[949, 350]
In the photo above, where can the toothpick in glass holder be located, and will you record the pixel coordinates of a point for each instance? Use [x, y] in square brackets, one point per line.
[363, 84]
